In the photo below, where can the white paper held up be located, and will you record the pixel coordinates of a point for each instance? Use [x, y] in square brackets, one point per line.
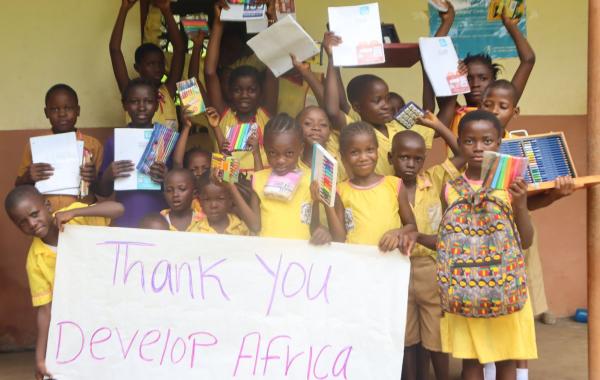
[130, 144]
[359, 27]
[60, 151]
[74, 191]
[274, 45]
[441, 65]
[243, 12]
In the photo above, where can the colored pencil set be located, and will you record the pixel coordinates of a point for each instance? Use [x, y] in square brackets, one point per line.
[159, 148]
[195, 24]
[407, 115]
[238, 136]
[190, 95]
[226, 168]
[324, 171]
[499, 170]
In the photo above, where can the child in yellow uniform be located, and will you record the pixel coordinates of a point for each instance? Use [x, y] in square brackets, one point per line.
[62, 110]
[423, 188]
[180, 191]
[150, 62]
[33, 216]
[370, 208]
[279, 214]
[510, 337]
[245, 92]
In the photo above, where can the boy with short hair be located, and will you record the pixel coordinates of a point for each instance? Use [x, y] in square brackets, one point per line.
[61, 109]
[32, 214]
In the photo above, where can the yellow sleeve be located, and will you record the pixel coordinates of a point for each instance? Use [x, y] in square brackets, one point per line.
[86, 220]
[40, 284]
[427, 133]
[442, 173]
[25, 160]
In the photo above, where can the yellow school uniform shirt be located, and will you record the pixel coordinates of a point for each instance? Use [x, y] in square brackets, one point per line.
[58, 202]
[369, 212]
[295, 96]
[281, 219]
[166, 113]
[383, 166]
[194, 225]
[427, 208]
[235, 227]
[246, 159]
[488, 340]
[41, 259]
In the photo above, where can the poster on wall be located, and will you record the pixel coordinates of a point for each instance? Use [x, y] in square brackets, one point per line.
[474, 31]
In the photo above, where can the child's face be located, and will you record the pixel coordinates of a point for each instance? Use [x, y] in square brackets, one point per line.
[154, 224]
[315, 127]
[141, 104]
[479, 77]
[152, 66]
[216, 202]
[360, 156]
[33, 216]
[500, 102]
[199, 163]
[62, 111]
[283, 150]
[395, 104]
[477, 137]
[244, 94]
[407, 158]
[179, 191]
[374, 106]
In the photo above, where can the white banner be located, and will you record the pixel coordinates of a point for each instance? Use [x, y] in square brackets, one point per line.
[139, 304]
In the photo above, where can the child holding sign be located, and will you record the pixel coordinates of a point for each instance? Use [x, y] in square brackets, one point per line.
[34, 216]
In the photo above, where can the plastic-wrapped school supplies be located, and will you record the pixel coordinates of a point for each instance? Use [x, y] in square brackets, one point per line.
[407, 115]
[324, 171]
[238, 136]
[159, 148]
[190, 96]
[283, 187]
[195, 24]
[226, 168]
[499, 170]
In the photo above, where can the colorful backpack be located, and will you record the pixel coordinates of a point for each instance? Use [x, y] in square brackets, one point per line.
[480, 263]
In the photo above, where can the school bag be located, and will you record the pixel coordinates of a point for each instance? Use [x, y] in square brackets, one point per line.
[480, 263]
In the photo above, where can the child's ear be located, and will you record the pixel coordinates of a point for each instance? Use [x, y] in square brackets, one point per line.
[135, 66]
[356, 107]
[517, 111]
[390, 158]
[46, 113]
[78, 110]
[48, 206]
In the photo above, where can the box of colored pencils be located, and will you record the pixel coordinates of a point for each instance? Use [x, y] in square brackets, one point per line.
[407, 115]
[159, 148]
[190, 95]
[226, 168]
[195, 24]
[238, 136]
[324, 171]
[499, 170]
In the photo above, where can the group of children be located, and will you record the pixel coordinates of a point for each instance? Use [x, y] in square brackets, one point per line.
[385, 196]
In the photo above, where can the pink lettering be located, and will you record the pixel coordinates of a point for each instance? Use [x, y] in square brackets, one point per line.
[178, 340]
[166, 277]
[101, 340]
[344, 355]
[204, 275]
[211, 341]
[143, 343]
[59, 341]
[124, 350]
[268, 356]
[317, 364]
[244, 356]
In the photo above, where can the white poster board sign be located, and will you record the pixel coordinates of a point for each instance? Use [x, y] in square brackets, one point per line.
[139, 304]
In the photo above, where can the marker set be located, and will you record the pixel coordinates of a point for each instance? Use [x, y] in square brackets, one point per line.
[238, 136]
[324, 171]
[407, 115]
[499, 170]
[190, 95]
[195, 24]
[159, 148]
[226, 168]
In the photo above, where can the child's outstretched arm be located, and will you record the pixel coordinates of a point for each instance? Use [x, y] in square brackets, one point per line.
[35, 173]
[117, 169]
[332, 96]
[313, 82]
[116, 55]
[194, 66]
[43, 327]
[518, 191]
[526, 55]
[564, 187]
[106, 209]
[271, 92]
[178, 60]
[431, 121]
[255, 147]
[211, 78]
[250, 214]
[336, 231]
[179, 151]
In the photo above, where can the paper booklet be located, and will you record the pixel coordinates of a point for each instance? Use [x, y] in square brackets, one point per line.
[243, 12]
[60, 151]
[359, 27]
[441, 65]
[130, 144]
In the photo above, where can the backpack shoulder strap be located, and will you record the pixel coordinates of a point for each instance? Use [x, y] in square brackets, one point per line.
[461, 186]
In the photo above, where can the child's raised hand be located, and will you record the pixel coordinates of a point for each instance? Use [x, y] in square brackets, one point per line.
[565, 186]
[449, 15]
[120, 169]
[518, 192]
[330, 40]
[213, 117]
[300, 66]
[163, 5]
[63, 217]
[198, 38]
[88, 172]
[253, 142]
[127, 4]
[314, 191]
[462, 68]
[320, 236]
[507, 20]
[430, 120]
[158, 171]
[40, 171]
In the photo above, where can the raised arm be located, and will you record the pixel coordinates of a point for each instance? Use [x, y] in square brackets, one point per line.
[526, 55]
[43, 327]
[194, 66]
[179, 151]
[106, 209]
[309, 77]
[332, 96]
[564, 187]
[430, 121]
[250, 214]
[270, 92]
[213, 86]
[116, 55]
[179, 49]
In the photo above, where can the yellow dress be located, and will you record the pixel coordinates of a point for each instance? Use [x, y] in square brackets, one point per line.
[383, 166]
[41, 259]
[246, 159]
[509, 337]
[293, 96]
[236, 227]
[369, 212]
[280, 219]
[166, 113]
